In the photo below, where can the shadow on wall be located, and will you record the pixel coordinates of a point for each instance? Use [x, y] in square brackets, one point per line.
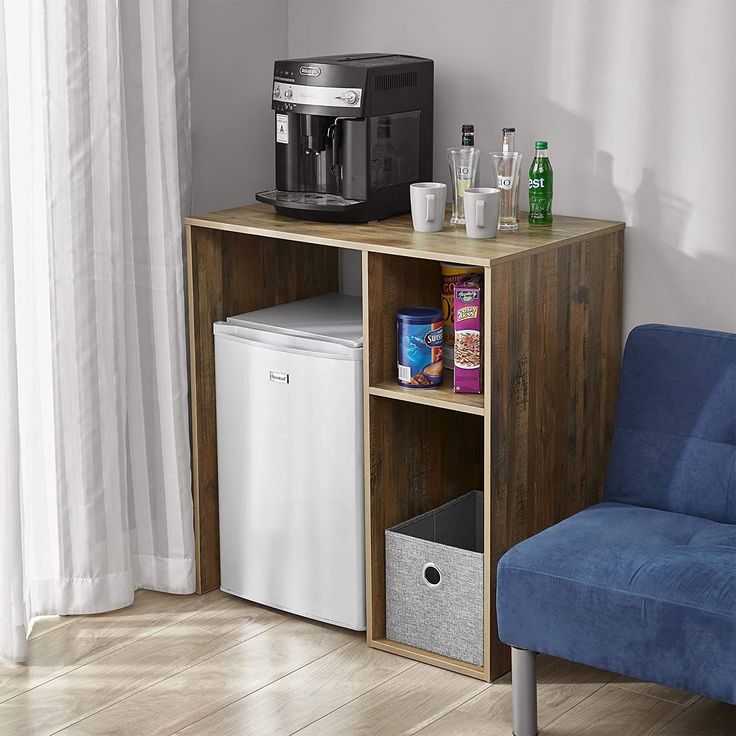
[680, 285]
[603, 189]
[617, 93]
[657, 260]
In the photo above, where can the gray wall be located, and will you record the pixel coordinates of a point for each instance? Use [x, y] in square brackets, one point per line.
[232, 47]
[635, 98]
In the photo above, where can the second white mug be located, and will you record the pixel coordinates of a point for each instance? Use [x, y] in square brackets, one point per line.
[481, 212]
[428, 200]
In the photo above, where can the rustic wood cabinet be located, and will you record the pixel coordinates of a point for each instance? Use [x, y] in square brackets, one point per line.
[536, 441]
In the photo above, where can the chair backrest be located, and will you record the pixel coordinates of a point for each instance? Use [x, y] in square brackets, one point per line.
[674, 446]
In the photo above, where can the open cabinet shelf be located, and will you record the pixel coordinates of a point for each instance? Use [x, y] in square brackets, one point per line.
[535, 442]
[425, 446]
[443, 397]
[422, 655]
[420, 458]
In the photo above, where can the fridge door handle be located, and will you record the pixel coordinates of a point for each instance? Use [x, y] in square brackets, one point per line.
[277, 342]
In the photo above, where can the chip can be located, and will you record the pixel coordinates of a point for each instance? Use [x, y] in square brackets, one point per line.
[419, 346]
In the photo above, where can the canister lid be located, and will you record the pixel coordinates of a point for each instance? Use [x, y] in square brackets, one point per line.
[419, 315]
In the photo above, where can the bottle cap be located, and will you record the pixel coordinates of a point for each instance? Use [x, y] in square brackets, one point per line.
[508, 130]
[540, 145]
[468, 128]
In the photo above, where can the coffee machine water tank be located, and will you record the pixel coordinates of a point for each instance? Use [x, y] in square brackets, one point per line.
[351, 133]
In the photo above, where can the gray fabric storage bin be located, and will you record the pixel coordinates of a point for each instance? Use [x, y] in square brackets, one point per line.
[434, 580]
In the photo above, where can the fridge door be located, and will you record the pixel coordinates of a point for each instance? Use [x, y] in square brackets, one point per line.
[290, 461]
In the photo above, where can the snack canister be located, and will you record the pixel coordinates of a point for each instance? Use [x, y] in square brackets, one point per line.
[419, 346]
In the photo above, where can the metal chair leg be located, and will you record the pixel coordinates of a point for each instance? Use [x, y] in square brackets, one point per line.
[524, 691]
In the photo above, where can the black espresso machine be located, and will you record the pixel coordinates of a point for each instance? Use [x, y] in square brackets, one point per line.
[352, 132]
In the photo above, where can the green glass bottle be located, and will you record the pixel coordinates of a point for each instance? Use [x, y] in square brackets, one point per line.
[540, 187]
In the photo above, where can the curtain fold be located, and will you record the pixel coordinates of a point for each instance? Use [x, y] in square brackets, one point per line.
[12, 612]
[96, 169]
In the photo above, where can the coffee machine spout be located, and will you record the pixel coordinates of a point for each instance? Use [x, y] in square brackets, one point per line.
[315, 130]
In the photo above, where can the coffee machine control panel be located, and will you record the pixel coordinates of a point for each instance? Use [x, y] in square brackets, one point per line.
[286, 96]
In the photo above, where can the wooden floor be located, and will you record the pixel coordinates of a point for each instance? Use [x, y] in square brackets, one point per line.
[215, 664]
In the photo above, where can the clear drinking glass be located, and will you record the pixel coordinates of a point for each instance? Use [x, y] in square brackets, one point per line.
[463, 163]
[505, 170]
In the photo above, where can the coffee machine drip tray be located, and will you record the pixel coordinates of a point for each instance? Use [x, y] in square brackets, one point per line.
[308, 200]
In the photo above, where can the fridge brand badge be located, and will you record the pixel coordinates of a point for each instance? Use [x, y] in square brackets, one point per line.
[310, 71]
[278, 377]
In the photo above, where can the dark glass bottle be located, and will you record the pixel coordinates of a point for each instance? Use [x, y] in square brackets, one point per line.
[468, 135]
[463, 171]
[540, 187]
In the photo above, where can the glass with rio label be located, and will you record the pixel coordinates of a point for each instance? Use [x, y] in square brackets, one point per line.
[505, 175]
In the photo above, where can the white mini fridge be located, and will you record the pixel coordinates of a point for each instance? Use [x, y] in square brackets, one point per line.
[290, 457]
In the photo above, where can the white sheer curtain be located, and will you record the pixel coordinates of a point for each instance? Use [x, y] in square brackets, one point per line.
[94, 444]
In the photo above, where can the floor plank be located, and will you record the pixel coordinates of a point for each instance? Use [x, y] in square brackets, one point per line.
[44, 624]
[704, 718]
[561, 686]
[615, 711]
[655, 691]
[403, 705]
[221, 623]
[195, 693]
[215, 664]
[304, 696]
[85, 638]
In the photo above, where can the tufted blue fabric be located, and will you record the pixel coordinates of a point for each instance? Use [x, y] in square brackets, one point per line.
[645, 583]
[674, 446]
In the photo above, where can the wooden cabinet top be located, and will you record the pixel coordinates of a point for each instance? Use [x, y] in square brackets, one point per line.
[396, 235]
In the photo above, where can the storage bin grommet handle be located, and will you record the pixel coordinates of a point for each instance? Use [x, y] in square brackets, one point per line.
[432, 575]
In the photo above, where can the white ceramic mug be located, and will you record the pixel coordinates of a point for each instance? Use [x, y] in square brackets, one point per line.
[428, 200]
[481, 211]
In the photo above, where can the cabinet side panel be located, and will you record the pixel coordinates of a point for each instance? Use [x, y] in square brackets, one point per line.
[611, 340]
[556, 351]
[488, 569]
[204, 260]
[365, 293]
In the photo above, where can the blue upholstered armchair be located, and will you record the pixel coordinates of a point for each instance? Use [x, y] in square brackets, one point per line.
[643, 584]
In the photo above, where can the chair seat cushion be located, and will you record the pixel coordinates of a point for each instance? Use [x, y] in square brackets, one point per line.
[642, 592]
